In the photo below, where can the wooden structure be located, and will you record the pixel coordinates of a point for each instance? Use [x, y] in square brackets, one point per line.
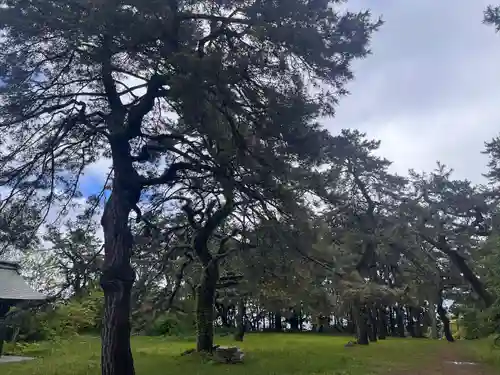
[13, 289]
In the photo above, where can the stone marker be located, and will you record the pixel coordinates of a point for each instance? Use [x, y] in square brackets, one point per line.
[228, 354]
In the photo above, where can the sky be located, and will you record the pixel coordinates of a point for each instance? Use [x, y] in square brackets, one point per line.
[431, 88]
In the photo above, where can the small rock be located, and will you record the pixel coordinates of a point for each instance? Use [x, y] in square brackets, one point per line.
[187, 352]
[228, 354]
[349, 344]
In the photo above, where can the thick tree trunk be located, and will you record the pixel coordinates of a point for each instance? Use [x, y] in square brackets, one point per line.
[116, 281]
[417, 313]
[392, 322]
[294, 321]
[372, 318]
[361, 326]
[278, 326]
[471, 277]
[410, 325]
[205, 308]
[240, 320]
[444, 319]
[117, 275]
[468, 274]
[400, 321]
[382, 323]
[433, 318]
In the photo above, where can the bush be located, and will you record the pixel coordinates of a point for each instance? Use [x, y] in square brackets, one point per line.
[78, 316]
[475, 324]
[53, 321]
[172, 324]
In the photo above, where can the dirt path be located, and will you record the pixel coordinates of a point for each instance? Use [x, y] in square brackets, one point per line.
[451, 362]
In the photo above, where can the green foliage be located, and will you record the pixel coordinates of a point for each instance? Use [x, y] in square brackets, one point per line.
[492, 17]
[474, 324]
[53, 322]
[78, 316]
[475, 320]
[172, 324]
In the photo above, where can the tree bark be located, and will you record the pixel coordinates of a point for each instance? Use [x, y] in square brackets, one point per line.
[410, 326]
[445, 320]
[471, 277]
[372, 318]
[117, 275]
[433, 318]
[400, 321]
[417, 313]
[361, 326]
[116, 281]
[392, 322]
[278, 326]
[240, 320]
[468, 274]
[205, 300]
[205, 294]
[382, 323]
[294, 321]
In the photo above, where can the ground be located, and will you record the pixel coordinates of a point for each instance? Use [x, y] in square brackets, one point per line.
[272, 354]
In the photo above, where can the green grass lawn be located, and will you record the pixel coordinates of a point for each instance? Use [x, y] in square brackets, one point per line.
[482, 351]
[266, 354]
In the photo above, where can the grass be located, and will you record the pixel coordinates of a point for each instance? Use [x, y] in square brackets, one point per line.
[266, 354]
[481, 351]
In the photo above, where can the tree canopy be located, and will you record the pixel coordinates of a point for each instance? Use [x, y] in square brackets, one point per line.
[226, 205]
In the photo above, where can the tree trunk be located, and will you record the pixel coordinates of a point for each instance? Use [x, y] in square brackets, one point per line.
[382, 323]
[400, 321]
[117, 278]
[433, 318]
[372, 318]
[240, 320]
[417, 312]
[444, 319]
[205, 308]
[392, 322]
[278, 326]
[15, 335]
[361, 326]
[294, 321]
[469, 276]
[410, 323]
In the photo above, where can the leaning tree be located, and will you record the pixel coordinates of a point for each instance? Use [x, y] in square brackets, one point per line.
[136, 81]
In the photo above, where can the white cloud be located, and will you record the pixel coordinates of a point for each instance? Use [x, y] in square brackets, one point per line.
[431, 89]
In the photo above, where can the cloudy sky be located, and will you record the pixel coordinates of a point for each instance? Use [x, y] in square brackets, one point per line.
[431, 89]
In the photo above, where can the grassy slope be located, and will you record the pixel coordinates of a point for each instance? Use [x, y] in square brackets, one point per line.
[266, 354]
